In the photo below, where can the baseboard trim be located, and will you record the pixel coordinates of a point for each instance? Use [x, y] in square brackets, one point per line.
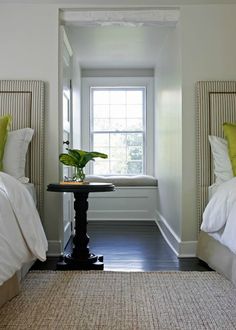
[122, 215]
[120, 219]
[188, 249]
[54, 248]
[183, 249]
[169, 235]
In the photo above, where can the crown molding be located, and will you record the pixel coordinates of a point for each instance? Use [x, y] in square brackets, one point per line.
[126, 18]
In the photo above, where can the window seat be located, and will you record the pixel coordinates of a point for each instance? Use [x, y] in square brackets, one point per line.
[121, 181]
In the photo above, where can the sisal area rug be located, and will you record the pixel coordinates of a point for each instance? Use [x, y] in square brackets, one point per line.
[122, 301]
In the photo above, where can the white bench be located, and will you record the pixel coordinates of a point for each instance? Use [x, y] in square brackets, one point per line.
[125, 181]
[135, 198]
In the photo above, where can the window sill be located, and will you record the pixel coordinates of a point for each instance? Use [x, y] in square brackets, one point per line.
[126, 181]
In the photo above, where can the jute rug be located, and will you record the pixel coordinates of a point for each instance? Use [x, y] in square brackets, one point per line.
[122, 301]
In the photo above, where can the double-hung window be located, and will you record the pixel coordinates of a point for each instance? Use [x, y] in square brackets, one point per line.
[117, 118]
[118, 128]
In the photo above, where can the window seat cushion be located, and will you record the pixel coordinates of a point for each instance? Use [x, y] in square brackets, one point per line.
[119, 181]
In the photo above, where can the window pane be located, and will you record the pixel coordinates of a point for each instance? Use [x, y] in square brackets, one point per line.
[117, 97]
[100, 97]
[117, 111]
[101, 111]
[100, 167]
[117, 167]
[117, 124]
[101, 124]
[134, 111]
[134, 168]
[118, 154]
[117, 139]
[134, 139]
[134, 97]
[101, 140]
[134, 153]
[134, 124]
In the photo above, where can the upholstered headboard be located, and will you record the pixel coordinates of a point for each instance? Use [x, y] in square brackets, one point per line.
[216, 104]
[24, 100]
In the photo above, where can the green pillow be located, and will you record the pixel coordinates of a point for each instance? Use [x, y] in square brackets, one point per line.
[230, 134]
[4, 124]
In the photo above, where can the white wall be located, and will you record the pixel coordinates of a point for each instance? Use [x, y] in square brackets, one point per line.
[168, 123]
[208, 53]
[206, 37]
[29, 50]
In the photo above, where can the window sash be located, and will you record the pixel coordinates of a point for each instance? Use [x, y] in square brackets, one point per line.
[109, 146]
[143, 132]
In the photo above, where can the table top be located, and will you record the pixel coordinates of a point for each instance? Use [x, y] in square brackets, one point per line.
[81, 188]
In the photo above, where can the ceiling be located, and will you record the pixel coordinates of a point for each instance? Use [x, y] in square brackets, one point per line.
[121, 2]
[116, 47]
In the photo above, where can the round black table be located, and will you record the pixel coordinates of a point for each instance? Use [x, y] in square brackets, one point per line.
[80, 257]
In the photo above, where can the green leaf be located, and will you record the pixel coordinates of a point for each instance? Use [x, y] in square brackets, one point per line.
[91, 155]
[86, 158]
[98, 154]
[75, 154]
[67, 160]
[79, 158]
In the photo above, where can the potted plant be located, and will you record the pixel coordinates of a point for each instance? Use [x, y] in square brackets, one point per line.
[78, 159]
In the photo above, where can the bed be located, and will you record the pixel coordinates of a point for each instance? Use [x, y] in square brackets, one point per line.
[216, 104]
[22, 238]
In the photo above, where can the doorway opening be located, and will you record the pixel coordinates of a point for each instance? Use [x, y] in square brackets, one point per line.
[117, 49]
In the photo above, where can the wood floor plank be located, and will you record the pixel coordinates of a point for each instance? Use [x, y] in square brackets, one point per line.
[131, 246]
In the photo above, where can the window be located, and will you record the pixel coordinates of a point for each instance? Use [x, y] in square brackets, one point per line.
[118, 129]
[117, 118]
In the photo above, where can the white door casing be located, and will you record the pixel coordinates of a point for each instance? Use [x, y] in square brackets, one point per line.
[67, 133]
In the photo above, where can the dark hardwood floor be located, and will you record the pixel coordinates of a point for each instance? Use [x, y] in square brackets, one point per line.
[131, 246]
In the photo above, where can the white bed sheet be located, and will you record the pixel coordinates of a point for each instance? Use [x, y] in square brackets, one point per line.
[219, 217]
[31, 189]
[22, 238]
[212, 190]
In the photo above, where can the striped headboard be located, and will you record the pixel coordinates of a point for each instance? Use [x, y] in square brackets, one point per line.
[216, 104]
[24, 100]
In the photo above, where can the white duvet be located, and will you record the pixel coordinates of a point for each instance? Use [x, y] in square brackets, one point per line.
[22, 237]
[219, 217]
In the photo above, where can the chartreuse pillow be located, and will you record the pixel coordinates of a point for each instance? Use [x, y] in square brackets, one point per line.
[230, 135]
[4, 124]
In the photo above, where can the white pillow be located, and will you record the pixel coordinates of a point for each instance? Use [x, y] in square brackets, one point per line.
[222, 165]
[14, 157]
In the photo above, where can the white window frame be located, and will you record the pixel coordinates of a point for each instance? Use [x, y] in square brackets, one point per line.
[122, 82]
[143, 131]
